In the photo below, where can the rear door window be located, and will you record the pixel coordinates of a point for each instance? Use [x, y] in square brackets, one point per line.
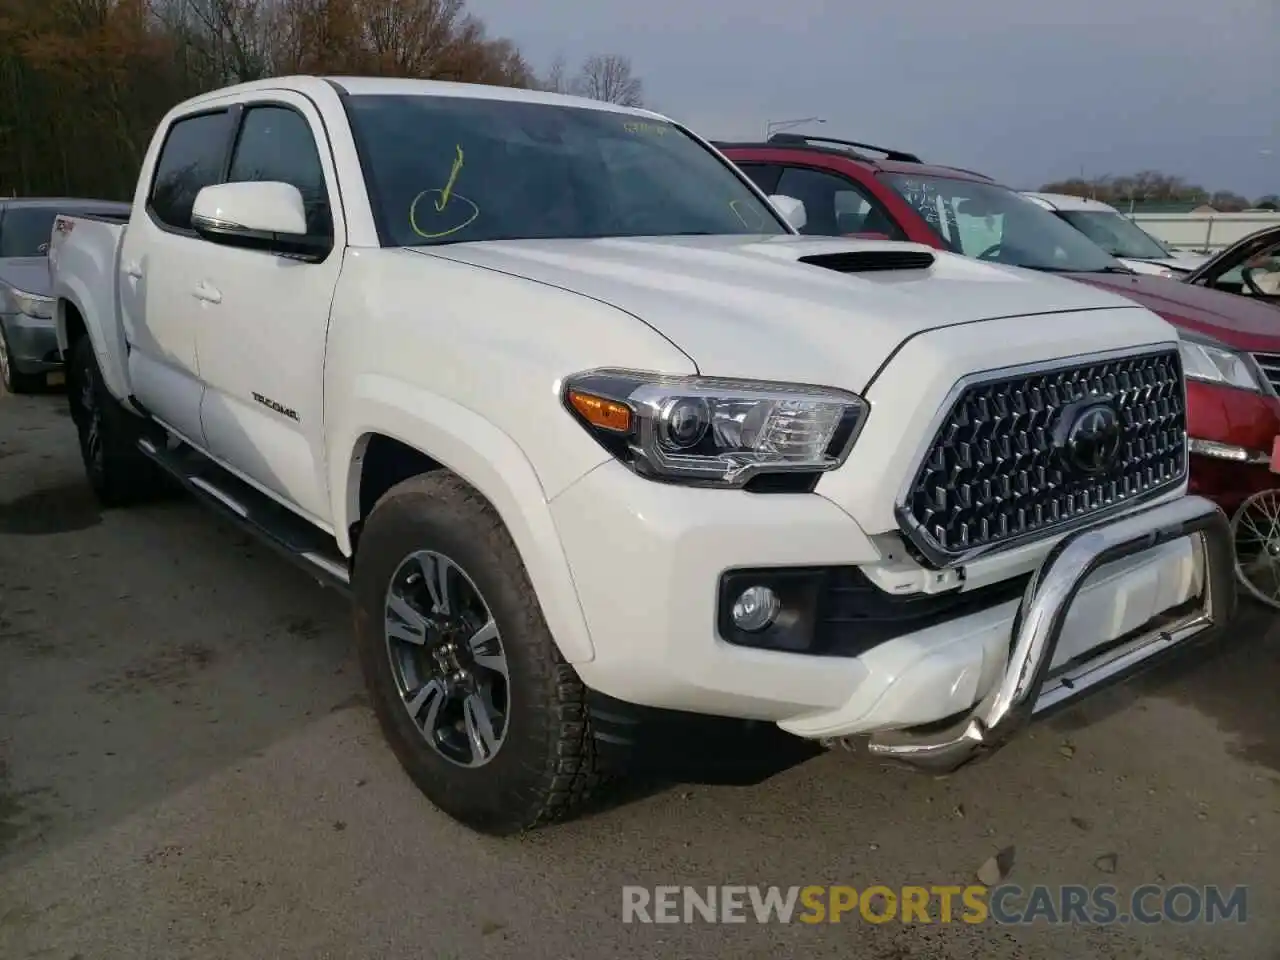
[190, 160]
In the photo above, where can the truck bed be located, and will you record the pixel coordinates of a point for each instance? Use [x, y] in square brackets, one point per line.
[84, 266]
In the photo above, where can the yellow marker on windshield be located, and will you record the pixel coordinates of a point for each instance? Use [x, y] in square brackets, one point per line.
[453, 175]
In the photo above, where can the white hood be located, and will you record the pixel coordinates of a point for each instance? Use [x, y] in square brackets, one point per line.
[744, 306]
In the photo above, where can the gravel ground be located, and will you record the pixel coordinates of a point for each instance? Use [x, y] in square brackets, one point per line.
[188, 768]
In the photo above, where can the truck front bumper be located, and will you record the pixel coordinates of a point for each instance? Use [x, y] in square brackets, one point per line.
[33, 343]
[647, 561]
[1028, 686]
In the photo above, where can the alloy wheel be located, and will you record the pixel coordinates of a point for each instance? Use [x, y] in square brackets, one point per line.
[447, 658]
[90, 423]
[6, 370]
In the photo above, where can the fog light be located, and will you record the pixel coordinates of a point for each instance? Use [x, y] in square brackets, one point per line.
[755, 609]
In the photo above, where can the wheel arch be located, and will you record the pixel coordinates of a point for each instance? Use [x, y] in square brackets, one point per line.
[394, 430]
[75, 316]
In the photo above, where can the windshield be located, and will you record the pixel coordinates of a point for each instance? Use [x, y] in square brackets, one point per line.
[1116, 234]
[25, 230]
[458, 169]
[996, 224]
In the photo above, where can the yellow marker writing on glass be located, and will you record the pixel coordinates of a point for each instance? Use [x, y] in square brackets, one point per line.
[444, 195]
[453, 175]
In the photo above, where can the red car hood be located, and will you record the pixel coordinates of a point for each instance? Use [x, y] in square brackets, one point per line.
[1235, 320]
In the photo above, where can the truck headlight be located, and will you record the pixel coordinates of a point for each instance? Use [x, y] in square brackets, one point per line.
[33, 304]
[1207, 360]
[713, 431]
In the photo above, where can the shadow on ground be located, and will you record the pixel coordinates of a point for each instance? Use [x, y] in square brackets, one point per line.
[1235, 683]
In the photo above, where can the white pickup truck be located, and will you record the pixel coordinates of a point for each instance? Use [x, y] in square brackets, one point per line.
[618, 469]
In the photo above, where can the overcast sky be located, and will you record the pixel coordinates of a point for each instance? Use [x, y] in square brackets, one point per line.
[1024, 90]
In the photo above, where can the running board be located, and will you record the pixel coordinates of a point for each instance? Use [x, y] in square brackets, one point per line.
[253, 511]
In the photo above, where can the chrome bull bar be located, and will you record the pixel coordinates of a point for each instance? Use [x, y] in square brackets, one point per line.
[1026, 688]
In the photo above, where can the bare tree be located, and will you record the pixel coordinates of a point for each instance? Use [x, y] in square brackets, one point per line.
[609, 77]
[557, 78]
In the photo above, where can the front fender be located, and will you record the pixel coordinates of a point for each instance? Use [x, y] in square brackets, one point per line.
[486, 458]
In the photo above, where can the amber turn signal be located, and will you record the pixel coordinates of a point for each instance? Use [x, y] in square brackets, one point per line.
[601, 412]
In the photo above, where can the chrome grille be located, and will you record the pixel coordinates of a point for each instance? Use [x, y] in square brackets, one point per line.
[998, 470]
[1270, 364]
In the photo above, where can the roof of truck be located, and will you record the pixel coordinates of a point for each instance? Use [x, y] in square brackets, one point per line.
[404, 86]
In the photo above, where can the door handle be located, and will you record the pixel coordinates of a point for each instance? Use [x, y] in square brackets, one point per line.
[206, 292]
[134, 269]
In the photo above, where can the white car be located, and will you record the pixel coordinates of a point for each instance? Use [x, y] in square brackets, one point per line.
[1119, 236]
[617, 468]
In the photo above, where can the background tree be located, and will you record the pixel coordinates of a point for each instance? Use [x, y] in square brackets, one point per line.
[84, 82]
[557, 78]
[1146, 186]
[607, 77]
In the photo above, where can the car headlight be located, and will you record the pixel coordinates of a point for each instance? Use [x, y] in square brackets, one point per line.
[712, 431]
[33, 304]
[1212, 362]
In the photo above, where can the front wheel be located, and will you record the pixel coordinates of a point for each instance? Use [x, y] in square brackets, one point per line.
[466, 681]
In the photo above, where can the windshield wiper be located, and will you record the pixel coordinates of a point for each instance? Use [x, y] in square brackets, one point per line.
[1046, 269]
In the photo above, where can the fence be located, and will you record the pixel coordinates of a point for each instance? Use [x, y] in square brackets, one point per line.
[1204, 232]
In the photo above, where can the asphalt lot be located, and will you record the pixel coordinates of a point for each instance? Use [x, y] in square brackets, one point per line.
[188, 769]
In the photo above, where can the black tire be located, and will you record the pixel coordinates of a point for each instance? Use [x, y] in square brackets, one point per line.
[545, 769]
[119, 473]
[13, 381]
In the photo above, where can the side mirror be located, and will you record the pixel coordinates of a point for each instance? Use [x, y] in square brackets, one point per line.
[791, 209]
[261, 215]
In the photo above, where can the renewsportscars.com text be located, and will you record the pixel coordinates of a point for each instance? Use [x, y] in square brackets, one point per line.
[972, 904]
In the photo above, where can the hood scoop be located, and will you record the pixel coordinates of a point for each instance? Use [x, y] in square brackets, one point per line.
[871, 261]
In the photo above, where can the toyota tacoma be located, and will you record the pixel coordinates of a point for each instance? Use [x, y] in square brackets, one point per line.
[603, 450]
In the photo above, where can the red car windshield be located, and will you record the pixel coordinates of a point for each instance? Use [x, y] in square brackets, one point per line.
[997, 224]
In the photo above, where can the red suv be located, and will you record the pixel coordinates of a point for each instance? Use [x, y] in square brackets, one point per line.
[1230, 344]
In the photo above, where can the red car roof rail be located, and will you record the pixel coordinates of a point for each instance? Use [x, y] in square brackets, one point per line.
[803, 138]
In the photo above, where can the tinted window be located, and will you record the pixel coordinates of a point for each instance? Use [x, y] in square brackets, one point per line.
[1116, 234]
[764, 176]
[190, 160]
[25, 230]
[994, 223]
[834, 205]
[452, 169]
[276, 143]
